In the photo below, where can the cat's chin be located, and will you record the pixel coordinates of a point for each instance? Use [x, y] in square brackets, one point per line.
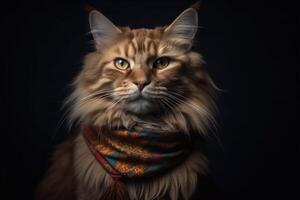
[140, 106]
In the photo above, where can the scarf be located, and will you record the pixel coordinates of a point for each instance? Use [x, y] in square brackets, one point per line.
[136, 153]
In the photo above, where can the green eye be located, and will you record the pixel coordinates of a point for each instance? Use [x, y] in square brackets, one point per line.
[161, 63]
[121, 63]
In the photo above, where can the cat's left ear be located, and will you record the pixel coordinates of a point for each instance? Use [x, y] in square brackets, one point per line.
[184, 27]
[103, 29]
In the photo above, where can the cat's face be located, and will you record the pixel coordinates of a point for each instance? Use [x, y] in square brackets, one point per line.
[141, 68]
[142, 71]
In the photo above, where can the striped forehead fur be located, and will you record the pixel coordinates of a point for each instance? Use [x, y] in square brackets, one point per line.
[139, 41]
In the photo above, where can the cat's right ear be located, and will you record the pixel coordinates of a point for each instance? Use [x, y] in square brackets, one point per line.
[102, 28]
[183, 29]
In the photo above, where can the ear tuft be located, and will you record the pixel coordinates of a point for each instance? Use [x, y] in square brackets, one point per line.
[102, 28]
[196, 6]
[185, 26]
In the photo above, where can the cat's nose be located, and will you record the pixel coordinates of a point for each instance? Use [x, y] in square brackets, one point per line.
[141, 83]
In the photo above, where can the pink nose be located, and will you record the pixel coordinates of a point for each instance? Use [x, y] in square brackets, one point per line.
[141, 84]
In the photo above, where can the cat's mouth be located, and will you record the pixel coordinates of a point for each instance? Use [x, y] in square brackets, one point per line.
[139, 96]
[140, 103]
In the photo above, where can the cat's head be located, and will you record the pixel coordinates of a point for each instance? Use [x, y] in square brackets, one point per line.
[143, 74]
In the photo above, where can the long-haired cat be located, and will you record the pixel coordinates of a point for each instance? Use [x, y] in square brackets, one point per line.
[143, 102]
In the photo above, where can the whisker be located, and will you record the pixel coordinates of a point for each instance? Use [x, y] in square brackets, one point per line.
[192, 105]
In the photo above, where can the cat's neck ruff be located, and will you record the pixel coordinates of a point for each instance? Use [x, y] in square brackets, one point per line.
[137, 153]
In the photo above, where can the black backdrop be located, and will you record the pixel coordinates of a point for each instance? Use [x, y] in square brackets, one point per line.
[251, 48]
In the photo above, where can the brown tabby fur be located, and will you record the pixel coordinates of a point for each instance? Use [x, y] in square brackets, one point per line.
[184, 102]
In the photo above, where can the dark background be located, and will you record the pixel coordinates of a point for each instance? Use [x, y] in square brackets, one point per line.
[252, 51]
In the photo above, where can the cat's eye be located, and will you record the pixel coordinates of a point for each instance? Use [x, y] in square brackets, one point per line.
[161, 63]
[121, 63]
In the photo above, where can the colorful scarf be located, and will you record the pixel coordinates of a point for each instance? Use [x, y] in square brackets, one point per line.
[136, 153]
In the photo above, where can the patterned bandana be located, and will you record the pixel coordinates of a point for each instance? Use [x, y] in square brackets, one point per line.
[136, 153]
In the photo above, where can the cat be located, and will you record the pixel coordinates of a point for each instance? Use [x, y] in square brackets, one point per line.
[147, 77]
